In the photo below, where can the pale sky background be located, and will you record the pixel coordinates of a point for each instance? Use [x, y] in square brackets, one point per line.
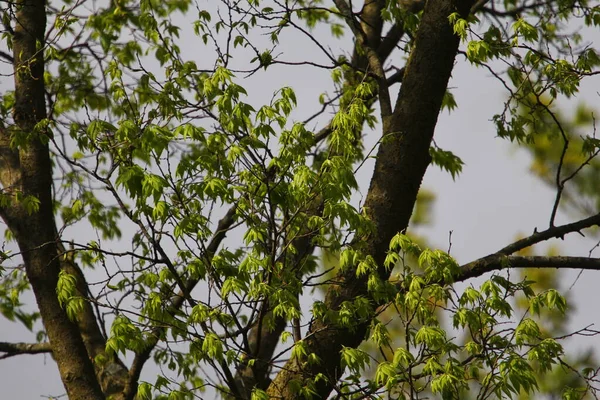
[489, 204]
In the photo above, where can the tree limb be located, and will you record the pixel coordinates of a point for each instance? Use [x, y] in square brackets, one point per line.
[396, 77]
[368, 34]
[15, 349]
[553, 232]
[558, 262]
[368, 37]
[390, 41]
[6, 56]
[490, 262]
[515, 12]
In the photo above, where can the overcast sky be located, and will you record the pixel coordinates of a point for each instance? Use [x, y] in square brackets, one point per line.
[490, 203]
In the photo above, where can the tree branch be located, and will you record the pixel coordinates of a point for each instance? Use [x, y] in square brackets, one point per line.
[558, 262]
[15, 349]
[263, 339]
[491, 262]
[396, 77]
[553, 232]
[370, 26]
[6, 56]
[390, 41]
[515, 12]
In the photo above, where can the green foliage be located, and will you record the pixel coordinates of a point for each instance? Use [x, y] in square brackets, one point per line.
[14, 286]
[66, 291]
[124, 336]
[159, 153]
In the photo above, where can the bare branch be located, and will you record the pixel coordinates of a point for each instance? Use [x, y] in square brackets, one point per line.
[553, 232]
[390, 41]
[7, 57]
[515, 12]
[489, 263]
[562, 262]
[15, 349]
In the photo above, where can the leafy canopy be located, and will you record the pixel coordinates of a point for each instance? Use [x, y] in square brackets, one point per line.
[197, 205]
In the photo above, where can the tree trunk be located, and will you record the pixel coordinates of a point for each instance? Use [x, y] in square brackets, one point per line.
[27, 171]
[402, 159]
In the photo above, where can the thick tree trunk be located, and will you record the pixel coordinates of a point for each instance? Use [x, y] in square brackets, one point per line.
[28, 172]
[402, 159]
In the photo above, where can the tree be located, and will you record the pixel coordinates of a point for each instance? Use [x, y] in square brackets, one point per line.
[112, 129]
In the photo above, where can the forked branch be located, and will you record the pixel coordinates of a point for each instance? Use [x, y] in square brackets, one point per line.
[501, 259]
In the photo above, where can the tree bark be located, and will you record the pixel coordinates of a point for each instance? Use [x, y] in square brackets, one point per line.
[27, 171]
[112, 374]
[402, 159]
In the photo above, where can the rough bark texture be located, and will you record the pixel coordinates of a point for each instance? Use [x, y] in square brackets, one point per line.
[402, 159]
[112, 374]
[28, 172]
